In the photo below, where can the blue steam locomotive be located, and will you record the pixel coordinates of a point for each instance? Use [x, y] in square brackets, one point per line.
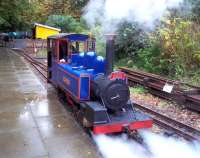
[99, 96]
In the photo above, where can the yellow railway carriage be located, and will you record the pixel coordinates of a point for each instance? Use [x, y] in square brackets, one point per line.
[43, 31]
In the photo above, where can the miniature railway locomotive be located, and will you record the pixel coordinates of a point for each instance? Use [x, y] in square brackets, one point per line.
[99, 96]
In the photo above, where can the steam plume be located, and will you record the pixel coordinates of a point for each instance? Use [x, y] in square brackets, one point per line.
[158, 147]
[109, 13]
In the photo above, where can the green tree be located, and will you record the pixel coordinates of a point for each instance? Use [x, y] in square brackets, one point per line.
[59, 7]
[173, 50]
[130, 38]
[65, 23]
[76, 6]
[195, 4]
[15, 15]
[21, 14]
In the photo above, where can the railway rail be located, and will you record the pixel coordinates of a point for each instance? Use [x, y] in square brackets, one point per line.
[40, 67]
[155, 84]
[184, 130]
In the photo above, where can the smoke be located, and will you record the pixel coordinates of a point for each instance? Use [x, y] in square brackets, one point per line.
[158, 147]
[110, 13]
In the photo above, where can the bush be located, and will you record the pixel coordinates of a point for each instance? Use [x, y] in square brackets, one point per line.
[129, 40]
[180, 40]
[173, 50]
[151, 60]
[65, 23]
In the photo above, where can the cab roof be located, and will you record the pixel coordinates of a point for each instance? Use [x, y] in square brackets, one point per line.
[71, 36]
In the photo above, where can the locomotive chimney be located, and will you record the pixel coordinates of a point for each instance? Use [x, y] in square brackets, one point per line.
[110, 38]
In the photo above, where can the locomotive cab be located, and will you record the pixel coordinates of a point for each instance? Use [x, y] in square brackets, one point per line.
[69, 49]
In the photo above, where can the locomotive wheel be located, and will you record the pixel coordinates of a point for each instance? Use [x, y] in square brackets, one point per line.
[61, 95]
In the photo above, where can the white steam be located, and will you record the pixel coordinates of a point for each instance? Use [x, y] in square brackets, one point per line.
[119, 147]
[158, 147]
[169, 147]
[109, 13]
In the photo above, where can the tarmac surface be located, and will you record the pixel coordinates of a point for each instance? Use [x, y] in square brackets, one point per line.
[33, 122]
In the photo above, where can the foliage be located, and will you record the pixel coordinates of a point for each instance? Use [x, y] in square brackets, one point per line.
[76, 6]
[83, 24]
[150, 58]
[19, 15]
[138, 90]
[15, 15]
[195, 5]
[66, 23]
[124, 62]
[100, 40]
[173, 50]
[58, 7]
[129, 40]
[180, 42]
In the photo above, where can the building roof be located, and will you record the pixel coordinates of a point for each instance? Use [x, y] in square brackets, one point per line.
[46, 26]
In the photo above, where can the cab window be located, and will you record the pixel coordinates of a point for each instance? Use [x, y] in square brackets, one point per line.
[77, 47]
[63, 50]
[91, 45]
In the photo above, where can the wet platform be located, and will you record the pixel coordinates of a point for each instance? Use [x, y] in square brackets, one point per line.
[33, 122]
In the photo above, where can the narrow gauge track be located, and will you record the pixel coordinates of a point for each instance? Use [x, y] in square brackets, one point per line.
[40, 67]
[155, 83]
[156, 77]
[186, 131]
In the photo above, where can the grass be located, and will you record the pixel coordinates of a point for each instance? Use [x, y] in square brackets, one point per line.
[138, 90]
[126, 62]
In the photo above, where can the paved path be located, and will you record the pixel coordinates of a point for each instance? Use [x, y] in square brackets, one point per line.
[33, 123]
